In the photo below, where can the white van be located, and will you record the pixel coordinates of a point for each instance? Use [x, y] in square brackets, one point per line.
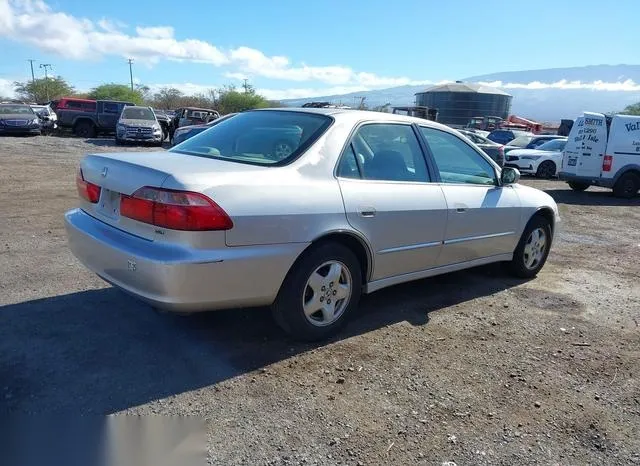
[596, 155]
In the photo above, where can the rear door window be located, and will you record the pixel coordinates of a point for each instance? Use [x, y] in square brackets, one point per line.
[111, 108]
[386, 152]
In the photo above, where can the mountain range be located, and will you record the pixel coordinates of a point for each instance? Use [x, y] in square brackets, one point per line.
[545, 95]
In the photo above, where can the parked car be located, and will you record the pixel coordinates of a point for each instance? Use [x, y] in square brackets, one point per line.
[138, 124]
[165, 122]
[364, 201]
[529, 142]
[193, 116]
[544, 162]
[602, 153]
[492, 149]
[88, 118]
[48, 118]
[504, 136]
[186, 132]
[19, 119]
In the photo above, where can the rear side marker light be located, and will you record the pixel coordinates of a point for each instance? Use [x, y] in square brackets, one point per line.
[607, 162]
[175, 210]
[88, 191]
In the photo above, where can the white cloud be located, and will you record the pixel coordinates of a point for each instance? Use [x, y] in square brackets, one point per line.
[158, 32]
[6, 88]
[34, 22]
[55, 32]
[625, 86]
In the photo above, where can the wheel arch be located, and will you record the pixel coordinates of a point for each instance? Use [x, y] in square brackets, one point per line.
[356, 243]
[547, 213]
[631, 168]
[83, 119]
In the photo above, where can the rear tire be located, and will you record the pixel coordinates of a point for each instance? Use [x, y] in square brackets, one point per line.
[85, 129]
[578, 186]
[309, 305]
[533, 248]
[546, 170]
[627, 186]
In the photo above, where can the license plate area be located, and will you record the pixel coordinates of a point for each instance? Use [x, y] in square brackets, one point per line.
[109, 204]
[572, 161]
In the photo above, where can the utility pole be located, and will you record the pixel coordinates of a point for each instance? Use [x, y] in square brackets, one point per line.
[130, 61]
[33, 76]
[46, 78]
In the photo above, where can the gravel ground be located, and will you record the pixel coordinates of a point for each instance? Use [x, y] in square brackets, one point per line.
[472, 367]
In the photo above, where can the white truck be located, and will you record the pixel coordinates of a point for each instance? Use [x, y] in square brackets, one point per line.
[597, 154]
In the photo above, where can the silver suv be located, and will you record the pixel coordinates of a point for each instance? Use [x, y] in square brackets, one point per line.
[138, 124]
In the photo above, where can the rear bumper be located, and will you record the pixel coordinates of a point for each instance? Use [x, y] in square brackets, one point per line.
[591, 181]
[180, 278]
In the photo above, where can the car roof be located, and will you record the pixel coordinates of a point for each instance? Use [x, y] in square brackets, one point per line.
[345, 114]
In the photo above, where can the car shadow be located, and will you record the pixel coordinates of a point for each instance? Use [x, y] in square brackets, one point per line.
[603, 198]
[111, 142]
[100, 351]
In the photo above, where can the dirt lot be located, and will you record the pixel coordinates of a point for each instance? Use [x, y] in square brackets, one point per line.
[472, 368]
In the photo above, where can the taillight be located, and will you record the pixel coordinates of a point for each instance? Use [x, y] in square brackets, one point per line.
[607, 162]
[175, 210]
[87, 191]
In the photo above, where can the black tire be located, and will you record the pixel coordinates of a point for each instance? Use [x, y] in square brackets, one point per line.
[546, 170]
[85, 129]
[627, 186]
[119, 142]
[578, 186]
[288, 310]
[518, 265]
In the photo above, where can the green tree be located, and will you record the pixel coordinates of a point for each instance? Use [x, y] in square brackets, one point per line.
[632, 109]
[230, 100]
[113, 91]
[42, 90]
[167, 98]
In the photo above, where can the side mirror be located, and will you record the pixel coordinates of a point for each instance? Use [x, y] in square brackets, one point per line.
[509, 176]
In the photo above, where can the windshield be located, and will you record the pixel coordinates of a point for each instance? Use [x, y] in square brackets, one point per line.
[15, 110]
[555, 145]
[135, 113]
[258, 137]
[520, 141]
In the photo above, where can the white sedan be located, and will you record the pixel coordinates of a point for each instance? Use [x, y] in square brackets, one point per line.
[544, 161]
[364, 200]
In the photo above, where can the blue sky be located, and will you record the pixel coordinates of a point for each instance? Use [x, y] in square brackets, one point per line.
[297, 48]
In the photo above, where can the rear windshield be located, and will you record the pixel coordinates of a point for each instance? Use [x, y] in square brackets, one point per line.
[553, 145]
[15, 110]
[132, 113]
[259, 137]
[520, 141]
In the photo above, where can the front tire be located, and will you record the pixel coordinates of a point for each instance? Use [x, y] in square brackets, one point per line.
[578, 186]
[319, 293]
[627, 186]
[85, 129]
[546, 170]
[533, 248]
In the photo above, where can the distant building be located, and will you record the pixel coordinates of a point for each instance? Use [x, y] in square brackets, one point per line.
[458, 102]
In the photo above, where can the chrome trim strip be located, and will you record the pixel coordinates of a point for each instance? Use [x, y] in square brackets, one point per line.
[474, 238]
[410, 247]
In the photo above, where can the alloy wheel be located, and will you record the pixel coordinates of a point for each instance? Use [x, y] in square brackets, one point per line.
[535, 248]
[327, 293]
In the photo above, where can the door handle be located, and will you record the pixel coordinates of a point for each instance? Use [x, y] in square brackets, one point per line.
[461, 208]
[367, 212]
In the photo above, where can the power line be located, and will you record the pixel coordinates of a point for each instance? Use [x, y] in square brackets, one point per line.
[33, 76]
[130, 61]
[46, 77]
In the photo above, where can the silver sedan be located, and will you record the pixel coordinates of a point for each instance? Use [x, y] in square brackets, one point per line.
[359, 202]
